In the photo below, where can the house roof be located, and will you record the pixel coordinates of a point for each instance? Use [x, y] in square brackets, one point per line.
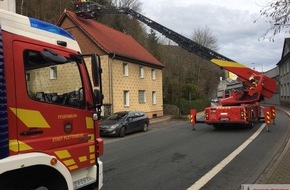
[112, 41]
[285, 52]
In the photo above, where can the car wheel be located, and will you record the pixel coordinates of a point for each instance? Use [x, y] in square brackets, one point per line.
[145, 127]
[122, 132]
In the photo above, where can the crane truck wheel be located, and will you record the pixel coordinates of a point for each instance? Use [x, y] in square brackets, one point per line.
[217, 127]
[251, 125]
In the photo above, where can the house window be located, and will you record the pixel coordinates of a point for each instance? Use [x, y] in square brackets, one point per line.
[126, 99]
[153, 74]
[153, 97]
[125, 69]
[287, 90]
[142, 96]
[281, 90]
[141, 72]
[53, 72]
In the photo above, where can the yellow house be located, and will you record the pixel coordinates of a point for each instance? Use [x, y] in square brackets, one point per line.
[131, 78]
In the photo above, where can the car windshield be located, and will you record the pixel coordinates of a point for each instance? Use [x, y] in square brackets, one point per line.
[118, 116]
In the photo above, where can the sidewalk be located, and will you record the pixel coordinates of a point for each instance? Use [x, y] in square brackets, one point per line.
[278, 171]
[169, 117]
[160, 119]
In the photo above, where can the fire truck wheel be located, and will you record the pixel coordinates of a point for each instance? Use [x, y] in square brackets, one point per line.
[122, 132]
[39, 178]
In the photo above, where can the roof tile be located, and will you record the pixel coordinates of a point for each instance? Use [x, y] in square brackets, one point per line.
[113, 41]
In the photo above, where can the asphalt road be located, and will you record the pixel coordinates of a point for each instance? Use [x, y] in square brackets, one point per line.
[170, 156]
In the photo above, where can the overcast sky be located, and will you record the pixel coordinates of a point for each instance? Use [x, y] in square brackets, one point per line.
[231, 21]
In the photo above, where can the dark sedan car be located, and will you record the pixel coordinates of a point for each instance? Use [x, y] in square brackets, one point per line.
[121, 123]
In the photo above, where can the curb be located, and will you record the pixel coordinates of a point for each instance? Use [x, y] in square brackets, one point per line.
[274, 163]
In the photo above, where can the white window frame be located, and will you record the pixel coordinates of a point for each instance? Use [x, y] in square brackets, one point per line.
[153, 73]
[281, 90]
[142, 96]
[27, 76]
[141, 72]
[154, 98]
[126, 98]
[53, 72]
[126, 69]
[287, 90]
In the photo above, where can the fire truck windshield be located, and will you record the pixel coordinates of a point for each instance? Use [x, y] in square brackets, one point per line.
[53, 79]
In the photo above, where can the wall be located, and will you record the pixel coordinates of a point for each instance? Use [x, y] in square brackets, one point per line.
[114, 82]
[133, 83]
[40, 79]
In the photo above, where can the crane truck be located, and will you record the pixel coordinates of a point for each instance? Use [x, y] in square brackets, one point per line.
[240, 107]
[49, 132]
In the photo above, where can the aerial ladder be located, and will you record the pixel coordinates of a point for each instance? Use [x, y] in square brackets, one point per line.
[241, 107]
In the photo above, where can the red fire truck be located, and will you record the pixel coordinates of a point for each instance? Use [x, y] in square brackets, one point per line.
[49, 134]
[241, 107]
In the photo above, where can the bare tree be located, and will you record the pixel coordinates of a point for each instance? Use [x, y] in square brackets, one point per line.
[21, 7]
[204, 36]
[278, 14]
[132, 4]
[205, 83]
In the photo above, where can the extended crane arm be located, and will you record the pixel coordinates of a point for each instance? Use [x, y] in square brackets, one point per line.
[93, 10]
[264, 86]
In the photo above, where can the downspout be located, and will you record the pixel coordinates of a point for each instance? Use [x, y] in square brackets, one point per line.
[111, 91]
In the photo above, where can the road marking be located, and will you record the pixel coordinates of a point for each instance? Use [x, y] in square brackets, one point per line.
[209, 175]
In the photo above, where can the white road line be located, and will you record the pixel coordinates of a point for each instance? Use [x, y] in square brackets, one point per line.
[209, 175]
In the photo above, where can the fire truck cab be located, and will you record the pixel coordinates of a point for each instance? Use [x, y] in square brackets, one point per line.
[49, 134]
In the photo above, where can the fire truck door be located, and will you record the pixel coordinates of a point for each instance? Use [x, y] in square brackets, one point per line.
[50, 104]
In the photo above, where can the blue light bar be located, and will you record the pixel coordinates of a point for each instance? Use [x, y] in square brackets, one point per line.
[49, 27]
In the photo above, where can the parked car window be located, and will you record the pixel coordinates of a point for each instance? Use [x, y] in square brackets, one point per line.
[118, 115]
[131, 114]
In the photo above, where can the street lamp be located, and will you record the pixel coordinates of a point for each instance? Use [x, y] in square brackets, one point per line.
[260, 65]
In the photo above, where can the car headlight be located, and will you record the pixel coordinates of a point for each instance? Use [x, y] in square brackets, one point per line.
[114, 126]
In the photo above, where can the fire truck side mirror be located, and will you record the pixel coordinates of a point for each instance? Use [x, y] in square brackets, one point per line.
[96, 70]
[98, 97]
[99, 100]
[52, 56]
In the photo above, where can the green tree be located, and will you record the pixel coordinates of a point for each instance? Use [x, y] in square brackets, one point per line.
[153, 43]
[48, 11]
